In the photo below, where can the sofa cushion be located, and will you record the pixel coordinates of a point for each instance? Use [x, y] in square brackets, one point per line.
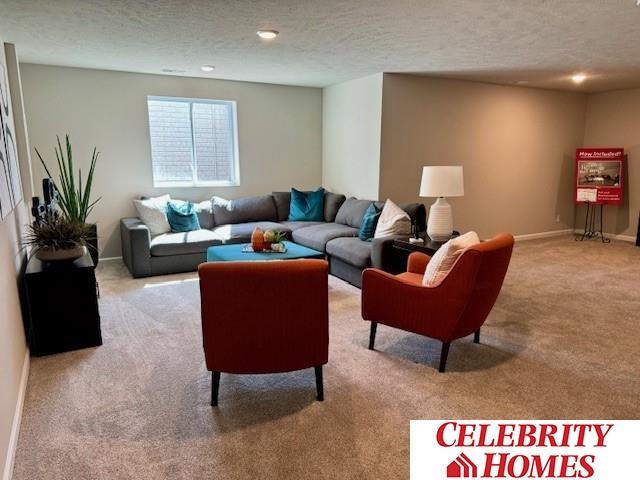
[293, 226]
[183, 243]
[182, 217]
[205, 213]
[241, 232]
[369, 222]
[317, 236]
[352, 211]
[282, 201]
[393, 221]
[332, 203]
[351, 250]
[153, 213]
[306, 206]
[243, 210]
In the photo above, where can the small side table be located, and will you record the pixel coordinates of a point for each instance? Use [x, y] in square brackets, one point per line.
[402, 248]
[62, 300]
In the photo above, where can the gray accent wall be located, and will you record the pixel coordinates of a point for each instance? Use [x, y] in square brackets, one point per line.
[279, 130]
[516, 146]
[613, 120]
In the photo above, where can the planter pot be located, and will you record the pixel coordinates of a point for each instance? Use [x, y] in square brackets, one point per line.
[60, 255]
[92, 243]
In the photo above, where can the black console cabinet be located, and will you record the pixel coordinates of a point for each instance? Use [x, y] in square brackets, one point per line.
[62, 306]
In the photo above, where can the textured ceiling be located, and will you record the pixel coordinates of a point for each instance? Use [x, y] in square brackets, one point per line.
[324, 42]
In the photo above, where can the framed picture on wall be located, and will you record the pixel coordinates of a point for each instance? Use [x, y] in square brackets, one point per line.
[10, 186]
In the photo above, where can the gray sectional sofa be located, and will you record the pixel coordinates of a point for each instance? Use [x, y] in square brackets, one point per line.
[224, 222]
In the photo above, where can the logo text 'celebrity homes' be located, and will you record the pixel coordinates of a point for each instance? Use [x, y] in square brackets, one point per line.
[506, 439]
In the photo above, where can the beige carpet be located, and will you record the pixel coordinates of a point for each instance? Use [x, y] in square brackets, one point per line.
[562, 342]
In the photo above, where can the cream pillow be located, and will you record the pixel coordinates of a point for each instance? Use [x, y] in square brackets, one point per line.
[153, 213]
[443, 260]
[393, 221]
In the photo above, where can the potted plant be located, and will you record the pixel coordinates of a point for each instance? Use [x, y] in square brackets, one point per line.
[74, 198]
[58, 238]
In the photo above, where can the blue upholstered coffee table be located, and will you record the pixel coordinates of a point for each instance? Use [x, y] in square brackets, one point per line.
[234, 253]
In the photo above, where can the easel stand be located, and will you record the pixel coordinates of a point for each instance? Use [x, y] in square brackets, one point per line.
[590, 224]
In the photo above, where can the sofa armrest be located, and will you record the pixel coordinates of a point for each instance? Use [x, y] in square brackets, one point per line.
[381, 251]
[136, 246]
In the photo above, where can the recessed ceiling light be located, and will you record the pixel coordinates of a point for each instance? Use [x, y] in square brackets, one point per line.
[578, 78]
[267, 34]
[207, 68]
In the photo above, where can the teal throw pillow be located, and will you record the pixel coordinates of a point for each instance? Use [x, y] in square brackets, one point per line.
[369, 222]
[182, 217]
[307, 206]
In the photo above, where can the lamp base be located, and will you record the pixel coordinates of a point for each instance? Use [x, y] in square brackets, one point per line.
[440, 222]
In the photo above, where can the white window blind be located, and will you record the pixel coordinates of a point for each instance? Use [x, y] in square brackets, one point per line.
[193, 142]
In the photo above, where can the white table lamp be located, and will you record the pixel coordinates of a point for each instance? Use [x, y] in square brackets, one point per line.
[441, 182]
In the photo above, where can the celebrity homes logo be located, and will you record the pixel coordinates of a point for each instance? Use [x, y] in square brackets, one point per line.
[513, 449]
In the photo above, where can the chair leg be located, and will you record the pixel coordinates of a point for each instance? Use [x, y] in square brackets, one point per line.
[476, 336]
[372, 335]
[215, 387]
[319, 386]
[443, 356]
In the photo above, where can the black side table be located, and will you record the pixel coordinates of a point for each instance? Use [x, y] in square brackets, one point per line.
[62, 304]
[402, 248]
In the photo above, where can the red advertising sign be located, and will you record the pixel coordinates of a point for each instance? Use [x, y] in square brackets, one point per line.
[599, 175]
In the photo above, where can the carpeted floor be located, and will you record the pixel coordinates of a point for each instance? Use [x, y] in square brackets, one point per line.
[562, 342]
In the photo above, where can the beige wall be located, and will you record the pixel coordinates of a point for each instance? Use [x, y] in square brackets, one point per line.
[279, 133]
[516, 145]
[351, 137]
[613, 120]
[12, 340]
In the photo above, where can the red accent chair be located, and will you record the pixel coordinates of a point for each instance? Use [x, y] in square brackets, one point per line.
[455, 308]
[264, 317]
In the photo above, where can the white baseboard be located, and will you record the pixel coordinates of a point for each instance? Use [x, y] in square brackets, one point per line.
[613, 236]
[110, 259]
[17, 419]
[553, 233]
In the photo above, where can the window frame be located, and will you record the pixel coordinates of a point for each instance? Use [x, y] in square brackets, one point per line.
[194, 159]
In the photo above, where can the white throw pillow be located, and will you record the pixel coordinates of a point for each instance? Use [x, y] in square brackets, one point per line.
[153, 213]
[393, 221]
[442, 261]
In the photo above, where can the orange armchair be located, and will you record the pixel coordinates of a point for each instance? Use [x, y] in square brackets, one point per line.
[264, 317]
[455, 308]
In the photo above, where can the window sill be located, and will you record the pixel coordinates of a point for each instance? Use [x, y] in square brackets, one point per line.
[195, 185]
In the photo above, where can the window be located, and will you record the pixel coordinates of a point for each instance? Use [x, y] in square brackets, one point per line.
[193, 142]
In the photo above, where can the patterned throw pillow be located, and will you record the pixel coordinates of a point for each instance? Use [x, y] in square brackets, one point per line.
[306, 206]
[442, 261]
[369, 222]
[182, 217]
[153, 213]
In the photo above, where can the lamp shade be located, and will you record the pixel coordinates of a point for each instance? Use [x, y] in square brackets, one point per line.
[442, 181]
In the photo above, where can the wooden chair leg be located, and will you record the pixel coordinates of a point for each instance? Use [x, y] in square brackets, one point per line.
[443, 356]
[372, 335]
[476, 336]
[319, 385]
[215, 388]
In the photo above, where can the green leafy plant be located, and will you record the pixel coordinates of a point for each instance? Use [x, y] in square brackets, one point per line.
[57, 232]
[74, 197]
[279, 237]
